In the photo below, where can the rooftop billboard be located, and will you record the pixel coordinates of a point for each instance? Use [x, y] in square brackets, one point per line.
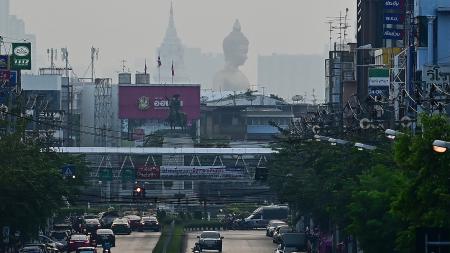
[152, 102]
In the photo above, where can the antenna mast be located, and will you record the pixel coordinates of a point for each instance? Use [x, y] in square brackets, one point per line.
[94, 56]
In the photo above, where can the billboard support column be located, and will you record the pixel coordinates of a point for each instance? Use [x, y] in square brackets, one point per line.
[197, 134]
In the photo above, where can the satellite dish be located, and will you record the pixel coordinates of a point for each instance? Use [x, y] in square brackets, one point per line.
[405, 121]
[364, 123]
[316, 129]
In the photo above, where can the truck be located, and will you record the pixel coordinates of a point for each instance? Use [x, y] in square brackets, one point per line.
[262, 215]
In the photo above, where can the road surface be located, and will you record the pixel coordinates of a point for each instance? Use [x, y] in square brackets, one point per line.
[137, 242]
[253, 241]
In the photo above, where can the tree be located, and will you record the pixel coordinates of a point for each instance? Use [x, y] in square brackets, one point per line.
[425, 200]
[371, 218]
[31, 182]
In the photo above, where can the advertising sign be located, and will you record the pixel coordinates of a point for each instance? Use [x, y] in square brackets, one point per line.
[4, 62]
[21, 57]
[393, 34]
[393, 18]
[379, 81]
[201, 172]
[393, 4]
[436, 75]
[5, 76]
[152, 102]
[148, 172]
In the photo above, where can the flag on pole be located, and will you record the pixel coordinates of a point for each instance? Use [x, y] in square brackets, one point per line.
[145, 67]
[173, 70]
[159, 61]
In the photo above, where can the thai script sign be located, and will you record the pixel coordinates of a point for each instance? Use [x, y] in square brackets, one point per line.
[393, 4]
[201, 172]
[147, 172]
[379, 81]
[436, 75]
[152, 102]
[393, 34]
[21, 57]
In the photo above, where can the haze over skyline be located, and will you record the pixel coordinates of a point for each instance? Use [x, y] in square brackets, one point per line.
[132, 30]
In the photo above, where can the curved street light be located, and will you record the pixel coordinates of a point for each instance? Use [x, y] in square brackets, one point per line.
[362, 146]
[392, 134]
[440, 146]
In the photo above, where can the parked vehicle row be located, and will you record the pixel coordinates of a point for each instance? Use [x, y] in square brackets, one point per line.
[287, 240]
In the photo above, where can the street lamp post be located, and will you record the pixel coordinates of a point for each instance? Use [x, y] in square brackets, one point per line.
[440, 146]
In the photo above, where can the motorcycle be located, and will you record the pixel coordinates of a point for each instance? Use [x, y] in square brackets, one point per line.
[196, 248]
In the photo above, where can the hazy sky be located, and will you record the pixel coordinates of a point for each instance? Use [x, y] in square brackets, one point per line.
[133, 29]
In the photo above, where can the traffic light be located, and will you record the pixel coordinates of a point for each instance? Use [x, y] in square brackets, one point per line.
[138, 192]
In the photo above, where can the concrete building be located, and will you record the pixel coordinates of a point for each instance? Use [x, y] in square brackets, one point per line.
[376, 19]
[289, 75]
[244, 117]
[12, 29]
[433, 28]
[340, 82]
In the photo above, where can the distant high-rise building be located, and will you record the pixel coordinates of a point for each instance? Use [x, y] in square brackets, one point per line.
[12, 29]
[202, 66]
[171, 53]
[289, 75]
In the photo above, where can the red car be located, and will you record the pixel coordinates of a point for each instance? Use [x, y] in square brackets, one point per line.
[78, 240]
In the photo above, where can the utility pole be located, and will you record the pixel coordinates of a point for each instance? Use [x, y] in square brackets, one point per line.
[65, 57]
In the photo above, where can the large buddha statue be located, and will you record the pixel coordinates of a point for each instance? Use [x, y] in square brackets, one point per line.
[235, 48]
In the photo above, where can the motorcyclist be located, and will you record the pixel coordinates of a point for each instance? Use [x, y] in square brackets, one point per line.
[196, 248]
[106, 245]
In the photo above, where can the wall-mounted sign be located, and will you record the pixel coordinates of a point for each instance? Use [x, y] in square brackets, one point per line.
[21, 57]
[4, 61]
[436, 75]
[393, 34]
[394, 4]
[152, 102]
[148, 172]
[201, 172]
[379, 81]
[393, 18]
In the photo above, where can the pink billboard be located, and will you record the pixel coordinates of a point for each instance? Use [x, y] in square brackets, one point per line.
[152, 102]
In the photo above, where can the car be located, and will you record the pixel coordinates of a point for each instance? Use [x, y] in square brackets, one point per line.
[134, 221]
[78, 240]
[63, 227]
[121, 226]
[90, 216]
[292, 242]
[149, 222]
[272, 225]
[103, 235]
[61, 237]
[261, 216]
[51, 242]
[108, 217]
[279, 232]
[210, 240]
[34, 248]
[91, 226]
[86, 250]
[38, 248]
